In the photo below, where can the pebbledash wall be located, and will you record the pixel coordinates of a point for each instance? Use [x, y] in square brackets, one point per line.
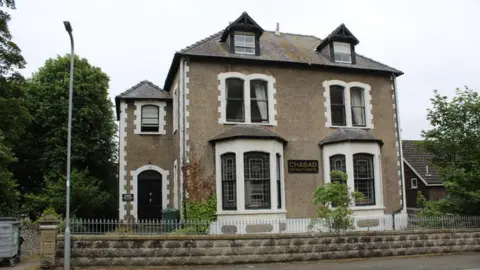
[138, 250]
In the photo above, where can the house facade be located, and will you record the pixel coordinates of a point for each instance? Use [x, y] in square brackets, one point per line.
[420, 175]
[270, 114]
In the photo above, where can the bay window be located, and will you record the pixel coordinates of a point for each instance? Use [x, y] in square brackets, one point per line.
[229, 181]
[257, 180]
[364, 179]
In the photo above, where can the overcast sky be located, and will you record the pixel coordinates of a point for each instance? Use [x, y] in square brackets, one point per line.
[435, 43]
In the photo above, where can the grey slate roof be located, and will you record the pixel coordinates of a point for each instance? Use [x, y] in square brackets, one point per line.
[418, 158]
[145, 90]
[350, 135]
[247, 132]
[287, 47]
[142, 90]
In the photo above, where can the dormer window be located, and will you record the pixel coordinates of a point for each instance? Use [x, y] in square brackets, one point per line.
[342, 52]
[243, 36]
[244, 43]
[339, 46]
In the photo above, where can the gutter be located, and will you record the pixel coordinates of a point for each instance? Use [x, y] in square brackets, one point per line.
[403, 207]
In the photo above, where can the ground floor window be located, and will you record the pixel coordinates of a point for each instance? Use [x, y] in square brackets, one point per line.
[364, 178]
[257, 180]
[249, 176]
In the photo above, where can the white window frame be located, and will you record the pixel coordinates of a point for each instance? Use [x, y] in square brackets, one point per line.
[350, 149]
[416, 183]
[367, 97]
[161, 116]
[271, 93]
[338, 48]
[175, 109]
[239, 147]
[243, 44]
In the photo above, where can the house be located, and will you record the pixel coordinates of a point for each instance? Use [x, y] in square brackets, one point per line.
[270, 114]
[420, 175]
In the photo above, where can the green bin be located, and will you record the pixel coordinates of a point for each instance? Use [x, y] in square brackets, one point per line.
[170, 219]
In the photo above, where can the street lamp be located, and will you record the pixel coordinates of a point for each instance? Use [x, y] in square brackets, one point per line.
[66, 263]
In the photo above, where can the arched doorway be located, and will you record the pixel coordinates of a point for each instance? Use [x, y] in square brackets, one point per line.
[149, 195]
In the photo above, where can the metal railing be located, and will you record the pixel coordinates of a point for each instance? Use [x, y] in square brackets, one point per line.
[299, 226]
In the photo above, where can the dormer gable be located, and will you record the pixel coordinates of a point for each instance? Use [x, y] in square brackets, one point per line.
[243, 36]
[339, 46]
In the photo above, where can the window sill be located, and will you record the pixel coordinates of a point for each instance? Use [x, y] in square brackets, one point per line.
[251, 212]
[364, 127]
[149, 133]
[245, 123]
[367, 208]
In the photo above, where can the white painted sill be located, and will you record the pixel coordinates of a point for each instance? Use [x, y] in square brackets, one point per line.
[366, 127]
[150, 133]
[368, 208]
[245, 123]
[252, 212]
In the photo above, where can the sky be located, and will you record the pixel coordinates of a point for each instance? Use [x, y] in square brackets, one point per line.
[435, 43]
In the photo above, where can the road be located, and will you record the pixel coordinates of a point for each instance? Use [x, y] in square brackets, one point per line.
[469, 261]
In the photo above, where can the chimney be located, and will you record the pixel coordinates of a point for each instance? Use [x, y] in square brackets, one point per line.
[277, 31]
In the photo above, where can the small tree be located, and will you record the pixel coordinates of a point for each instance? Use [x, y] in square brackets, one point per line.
[333, 201]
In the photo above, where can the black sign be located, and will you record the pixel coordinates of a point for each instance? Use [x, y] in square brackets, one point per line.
[303, 166]
[127, 197]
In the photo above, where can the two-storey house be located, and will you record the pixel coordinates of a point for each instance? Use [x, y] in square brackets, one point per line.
[270, 114]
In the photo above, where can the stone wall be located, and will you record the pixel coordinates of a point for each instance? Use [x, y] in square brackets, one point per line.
[125, 250]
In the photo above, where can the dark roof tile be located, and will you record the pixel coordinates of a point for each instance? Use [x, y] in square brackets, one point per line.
[285, 47]
[248, 132]
[350, 135]
[145, 90]
[419, 159]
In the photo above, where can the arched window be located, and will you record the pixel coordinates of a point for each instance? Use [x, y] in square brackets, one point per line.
[357, 102]
[259, 101]
[257, 180]
[337, 105]
[235, 100]
[229, 182]
[364, 178]
[150, 118]
[337, 163]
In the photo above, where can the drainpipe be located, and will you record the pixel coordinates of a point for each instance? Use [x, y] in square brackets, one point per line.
[400, 150]
[184, 141]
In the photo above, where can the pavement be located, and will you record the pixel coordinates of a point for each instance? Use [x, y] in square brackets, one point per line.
[467, 261]
[26, 263]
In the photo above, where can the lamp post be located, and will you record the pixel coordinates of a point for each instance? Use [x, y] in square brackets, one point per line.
[66, 263]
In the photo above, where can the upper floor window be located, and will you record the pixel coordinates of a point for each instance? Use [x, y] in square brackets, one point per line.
[364, 180]
[244, 44]
[175, 109]
[150, 118]
[337, 105]
[358, 106]
[347, 104]
[257, 180]
[229, 181]
[342, 52]
[247, 98]
[235, 103]
[259, 101]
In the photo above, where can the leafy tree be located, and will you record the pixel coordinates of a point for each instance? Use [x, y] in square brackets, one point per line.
[8, 193]
[334, 200]
[42, 155]
[454, 139]
[14, 115]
